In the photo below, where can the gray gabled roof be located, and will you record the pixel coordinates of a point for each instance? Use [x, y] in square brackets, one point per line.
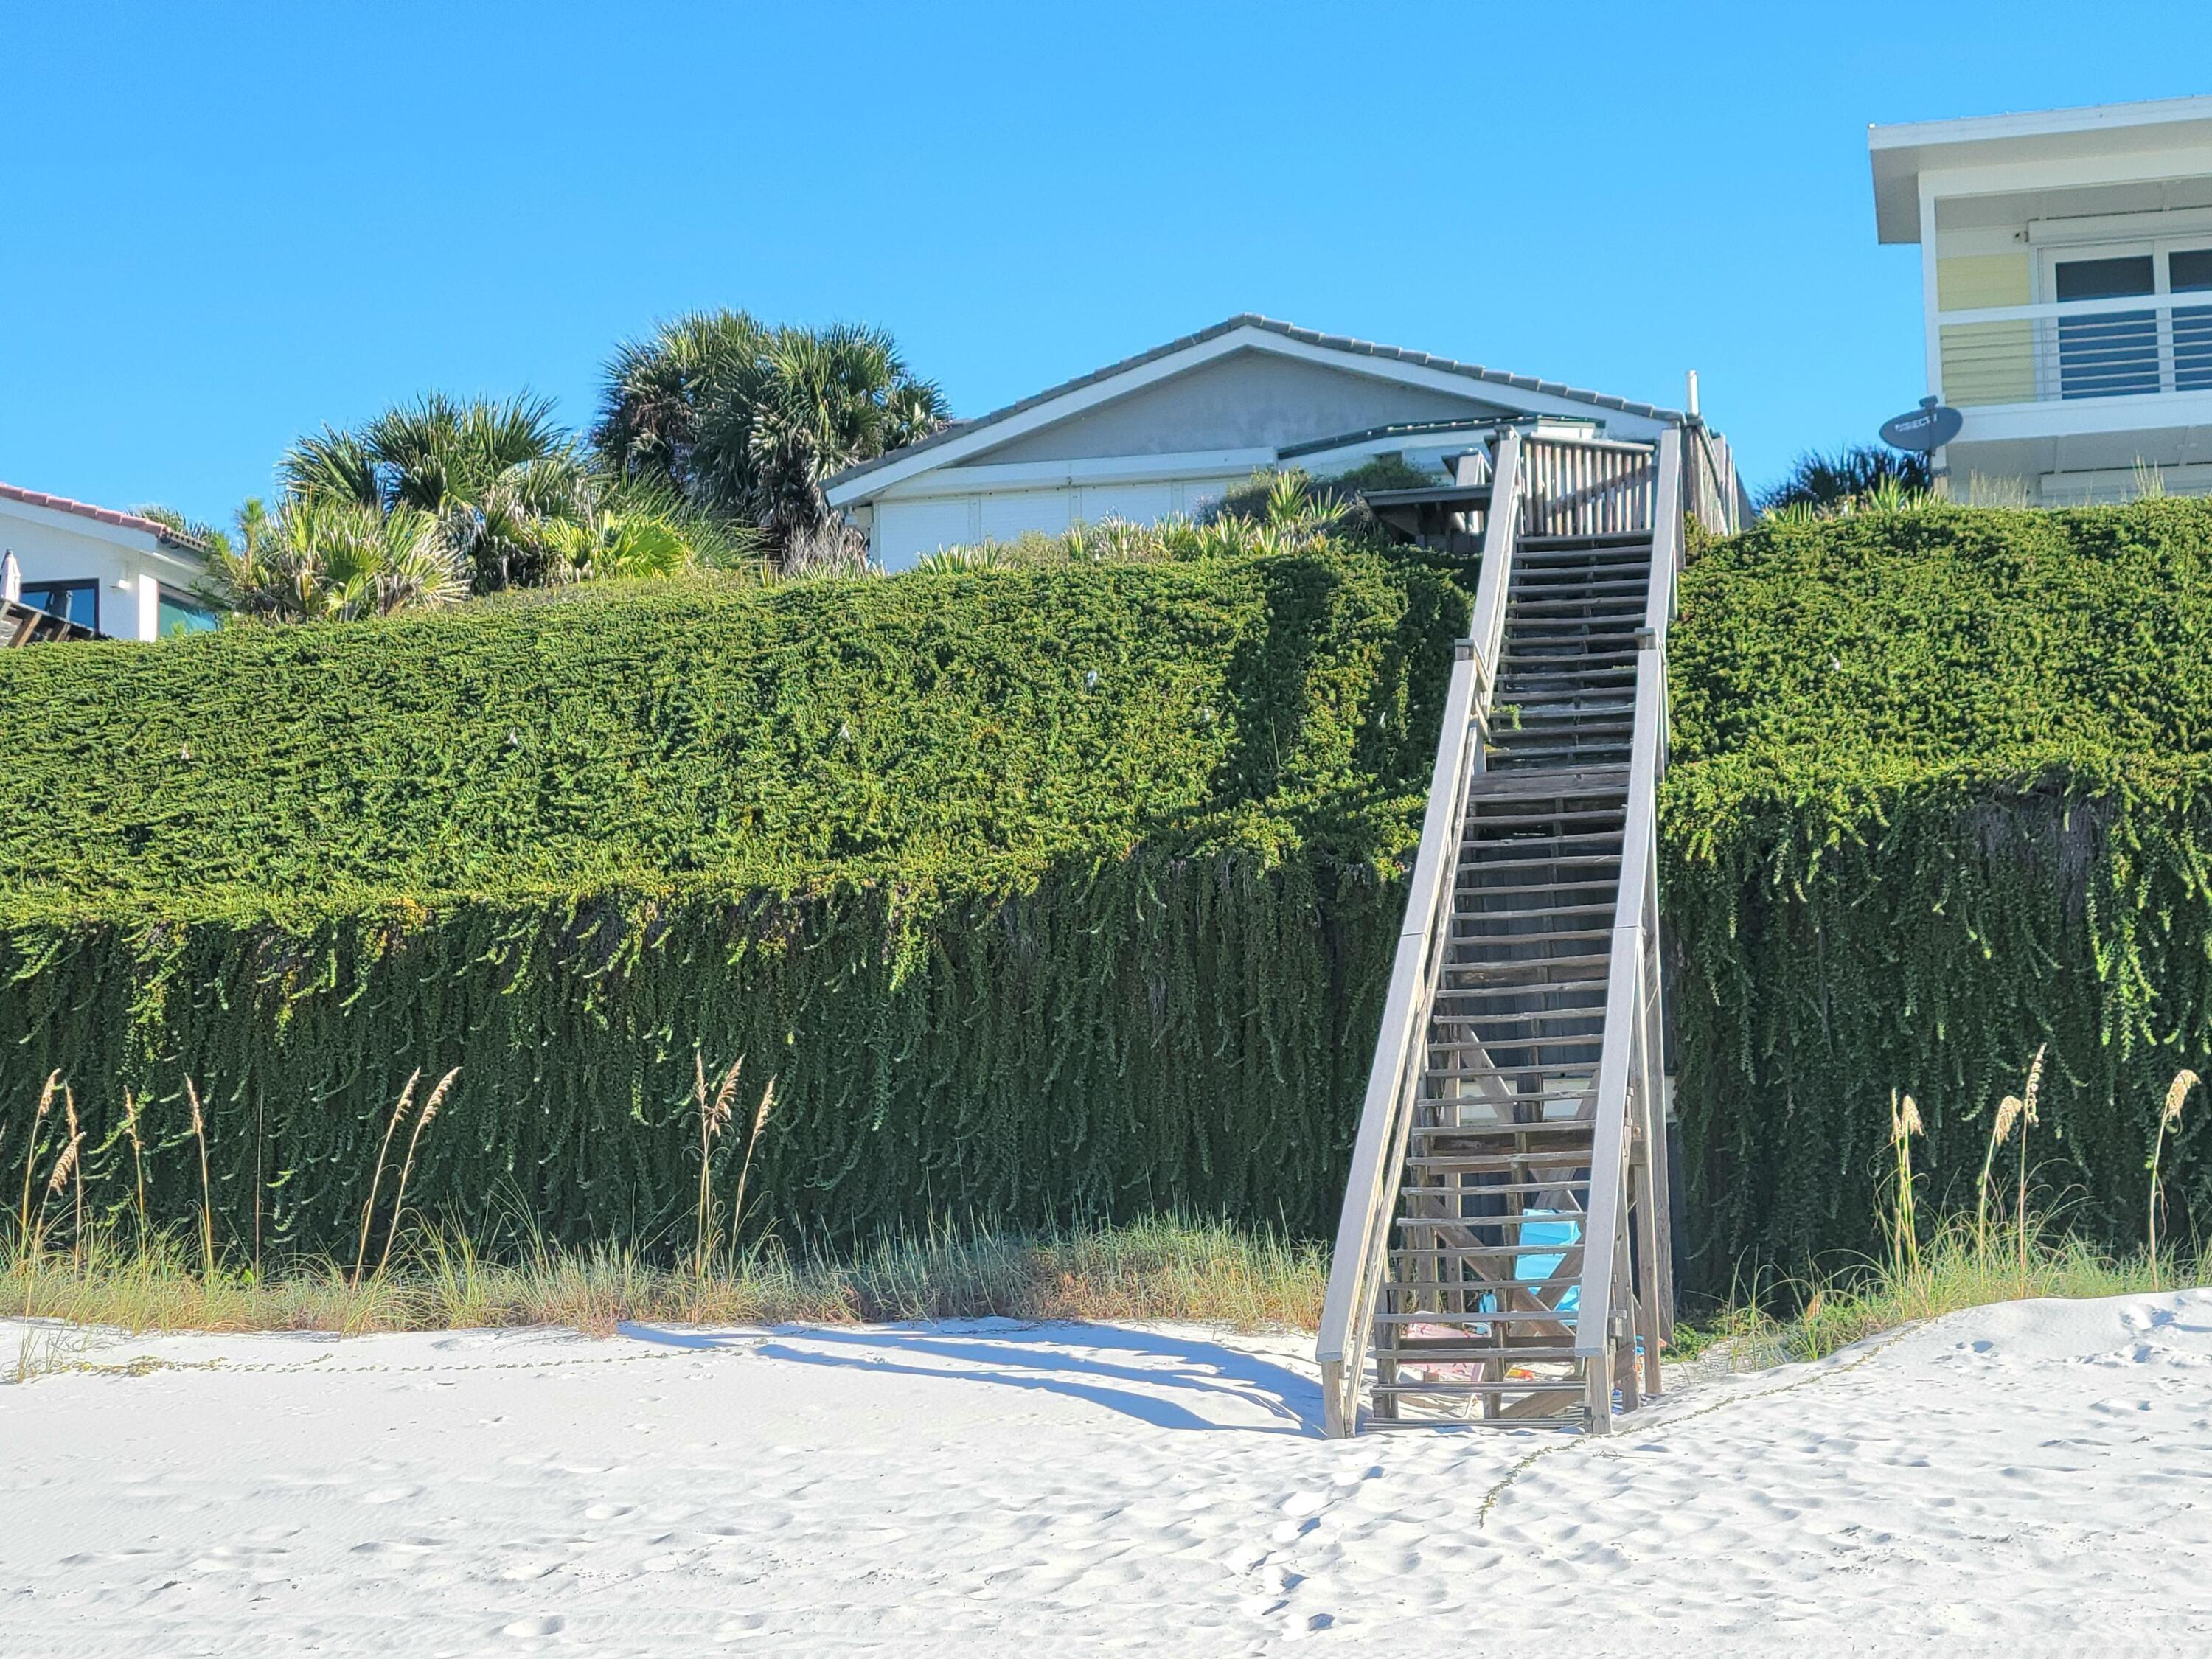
[1289, 332]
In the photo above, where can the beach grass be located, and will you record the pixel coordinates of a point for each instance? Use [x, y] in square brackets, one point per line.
[1162, 1268]
[1959, 1265]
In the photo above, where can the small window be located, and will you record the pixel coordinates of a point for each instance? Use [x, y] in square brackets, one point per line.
[181, 614]
[2191, 270]
[2107, 279]
[78, 601]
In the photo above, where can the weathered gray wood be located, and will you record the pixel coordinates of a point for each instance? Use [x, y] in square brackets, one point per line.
[1537, 948]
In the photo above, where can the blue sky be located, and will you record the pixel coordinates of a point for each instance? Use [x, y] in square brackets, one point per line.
[226, 224]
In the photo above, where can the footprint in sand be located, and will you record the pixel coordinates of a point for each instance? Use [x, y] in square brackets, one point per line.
[524, 1568]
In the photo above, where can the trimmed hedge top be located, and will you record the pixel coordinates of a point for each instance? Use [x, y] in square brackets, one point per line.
[1943, 801]
[1987, 639]
[913, 727]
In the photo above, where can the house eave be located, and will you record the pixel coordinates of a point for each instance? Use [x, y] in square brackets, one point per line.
[1515, 392]
[1899, 154]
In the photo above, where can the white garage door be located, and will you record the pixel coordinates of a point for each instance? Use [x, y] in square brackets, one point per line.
[1139, 503]
[1010, 514]
[904, 530]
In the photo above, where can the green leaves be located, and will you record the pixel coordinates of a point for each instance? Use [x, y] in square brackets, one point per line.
[1031, 946]
[1942, 792]
[908, 728]
[438, 499]
[744, 421]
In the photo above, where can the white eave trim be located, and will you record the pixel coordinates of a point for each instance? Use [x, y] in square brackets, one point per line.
[1986, 155]
[2165, 411]
[142, 542]
[885, 479]
[2037, 123]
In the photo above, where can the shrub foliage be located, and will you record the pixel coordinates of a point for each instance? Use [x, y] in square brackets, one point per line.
[1040, 895]
[1943, 791]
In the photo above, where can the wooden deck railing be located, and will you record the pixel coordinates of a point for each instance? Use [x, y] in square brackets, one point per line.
[1586, 487]
[25, 624]
[1710, 493]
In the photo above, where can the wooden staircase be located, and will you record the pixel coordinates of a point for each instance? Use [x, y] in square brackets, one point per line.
[1504, 1255]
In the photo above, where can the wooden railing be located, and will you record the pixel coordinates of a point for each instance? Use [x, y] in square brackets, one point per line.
[24, 624]
[1545, 487]
[1628, 1171]
[1586, 487]
[1710, 493]
[1378, 1153]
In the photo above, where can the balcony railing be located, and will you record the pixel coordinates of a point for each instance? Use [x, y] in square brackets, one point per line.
[2139, 346]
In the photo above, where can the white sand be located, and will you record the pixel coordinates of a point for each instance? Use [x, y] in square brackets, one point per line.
[2014, 1479]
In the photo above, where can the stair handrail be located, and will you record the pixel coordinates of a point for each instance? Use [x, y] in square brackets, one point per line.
[1378, 1150]
[1509, 483]
[1628, 988]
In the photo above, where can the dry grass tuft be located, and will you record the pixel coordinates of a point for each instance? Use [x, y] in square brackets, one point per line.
[1161, 1269]
[1955, 1273]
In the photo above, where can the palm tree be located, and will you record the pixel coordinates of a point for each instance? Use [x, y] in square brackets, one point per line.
[608, 544]
[326, 557]
[745, 421]
[495, 476]
[1823, 483]
[437, 499]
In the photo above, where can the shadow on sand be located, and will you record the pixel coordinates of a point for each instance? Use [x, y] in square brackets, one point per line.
[1158, 1377]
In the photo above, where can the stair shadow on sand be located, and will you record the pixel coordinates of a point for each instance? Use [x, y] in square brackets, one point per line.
[1166, 1380]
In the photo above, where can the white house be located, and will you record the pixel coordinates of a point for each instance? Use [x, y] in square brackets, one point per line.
[2066, 275]
[115, 572]
[1167, 431]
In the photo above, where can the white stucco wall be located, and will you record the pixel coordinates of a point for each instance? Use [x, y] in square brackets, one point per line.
[131, 566]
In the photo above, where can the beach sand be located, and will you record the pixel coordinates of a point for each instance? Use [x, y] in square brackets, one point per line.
[2020, 1479]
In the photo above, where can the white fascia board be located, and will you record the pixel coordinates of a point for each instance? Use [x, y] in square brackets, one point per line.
[2159, 412]
[140, 542]
[950, 452]
[984, 479]
[2068, 172]
[2039, 124]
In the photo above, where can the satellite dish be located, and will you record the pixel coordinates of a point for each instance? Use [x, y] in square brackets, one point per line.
[1926, 428]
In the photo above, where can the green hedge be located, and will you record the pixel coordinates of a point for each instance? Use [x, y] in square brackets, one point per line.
[1071, 892]
[1943, 791]
[1042, 894]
